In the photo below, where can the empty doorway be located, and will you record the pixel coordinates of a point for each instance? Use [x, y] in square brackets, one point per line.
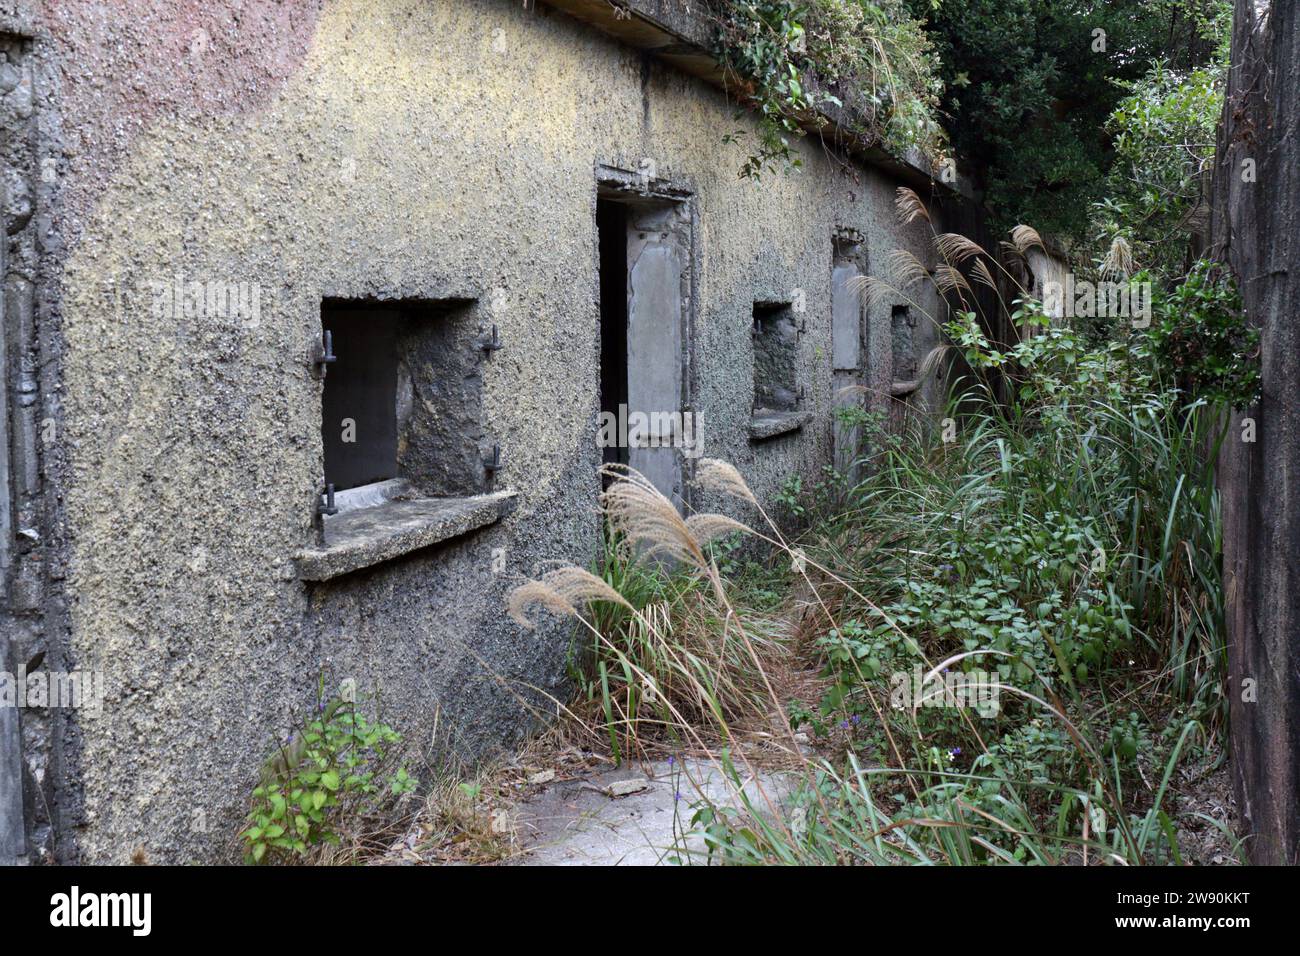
[645, 281]
[847, 351]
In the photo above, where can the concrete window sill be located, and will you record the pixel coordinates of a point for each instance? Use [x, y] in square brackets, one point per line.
[366, 537]
[904, 389]
[768, 424]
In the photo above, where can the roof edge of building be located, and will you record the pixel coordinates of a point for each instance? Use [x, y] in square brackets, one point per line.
[682, 37]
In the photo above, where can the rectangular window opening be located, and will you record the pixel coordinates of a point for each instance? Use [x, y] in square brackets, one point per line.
[358, 420]
[776, 348]
[903, 326]
[402, 399]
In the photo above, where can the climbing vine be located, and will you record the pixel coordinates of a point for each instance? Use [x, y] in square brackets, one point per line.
[788, 58]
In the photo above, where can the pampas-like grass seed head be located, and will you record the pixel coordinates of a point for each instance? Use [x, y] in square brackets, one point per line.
[707, 527]
[532, 593]
[1025, 238]
[722, 476]
[876, 290]
[947, 279]
[981, 273]
[1119, 259]
[644, 521]
[909, 206]
[905, 268]
[560, 591]
[957, 248]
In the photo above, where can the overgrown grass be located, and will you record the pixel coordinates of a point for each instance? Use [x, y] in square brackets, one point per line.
[1060, 552]
[671, 632]
[1078, 560]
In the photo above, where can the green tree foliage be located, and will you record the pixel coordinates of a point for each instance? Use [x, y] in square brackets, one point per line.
[1203, 340]
[1158, 187]
[1030, 86]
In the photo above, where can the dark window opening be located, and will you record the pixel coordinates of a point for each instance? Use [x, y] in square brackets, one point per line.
[776, 347]
[403, 397]
[611, 224]
[358, 407]
[904, 347]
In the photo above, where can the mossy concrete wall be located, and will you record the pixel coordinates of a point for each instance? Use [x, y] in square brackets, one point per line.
[366, 149]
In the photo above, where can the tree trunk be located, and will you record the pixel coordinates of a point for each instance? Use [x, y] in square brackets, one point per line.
[1256, 231]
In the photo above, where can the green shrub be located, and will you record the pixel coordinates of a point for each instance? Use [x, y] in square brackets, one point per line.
[335, 757]
[1201, 335]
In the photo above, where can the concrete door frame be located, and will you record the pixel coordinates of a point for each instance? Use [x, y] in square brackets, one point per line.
[643, 189]
[13, 829]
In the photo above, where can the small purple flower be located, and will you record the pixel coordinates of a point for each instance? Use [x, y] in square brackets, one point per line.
[857, 719]
[677, 797]
[671, 760]
[954, 752]
[844, 725]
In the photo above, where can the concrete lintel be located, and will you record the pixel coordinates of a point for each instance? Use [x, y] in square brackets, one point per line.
[663, 26]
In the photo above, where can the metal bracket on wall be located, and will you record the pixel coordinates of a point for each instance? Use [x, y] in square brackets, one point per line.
[325, 354]
[492, 463]
[490, 341]
[326, 505]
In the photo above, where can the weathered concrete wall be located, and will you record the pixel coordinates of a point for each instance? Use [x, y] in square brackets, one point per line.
[383, 149]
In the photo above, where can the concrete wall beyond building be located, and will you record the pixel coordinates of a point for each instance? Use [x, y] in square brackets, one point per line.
[377, 150]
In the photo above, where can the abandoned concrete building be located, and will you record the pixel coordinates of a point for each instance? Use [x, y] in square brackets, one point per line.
[311, 312]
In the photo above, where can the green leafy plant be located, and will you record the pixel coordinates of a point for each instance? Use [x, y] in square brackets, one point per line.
[1201, 335]
[1163, 135]
[336, 757]
[789, 498]
[788, 58]
[759, 41]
